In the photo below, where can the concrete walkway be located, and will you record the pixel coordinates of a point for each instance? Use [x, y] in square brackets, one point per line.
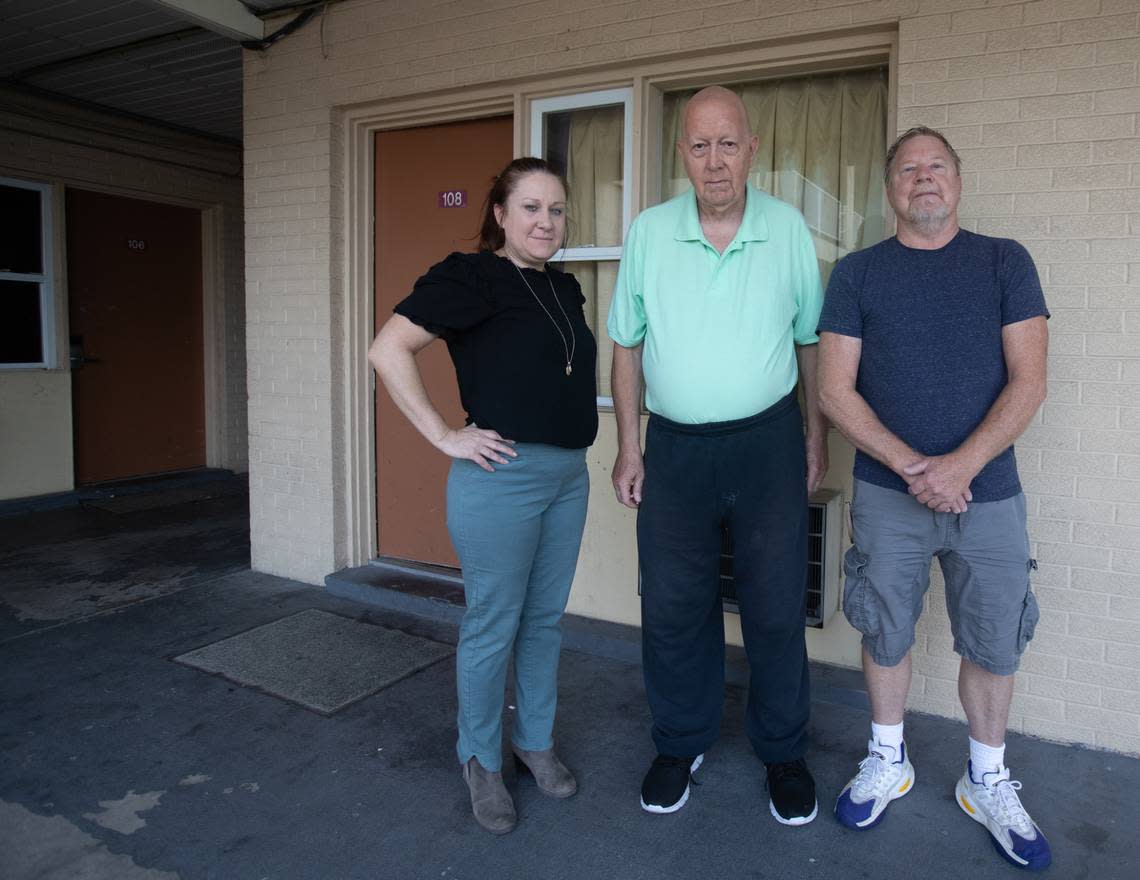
[121, 764]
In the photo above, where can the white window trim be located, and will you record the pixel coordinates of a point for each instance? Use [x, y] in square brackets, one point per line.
[579, 101]
[539, 107]
[43, 278]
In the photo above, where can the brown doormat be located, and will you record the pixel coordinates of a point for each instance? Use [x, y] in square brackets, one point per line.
[318, 660]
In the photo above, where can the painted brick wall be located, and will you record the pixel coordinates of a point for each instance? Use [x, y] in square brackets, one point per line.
[290, 328]
[64, 144]
[1042, 101]
[1040, 97]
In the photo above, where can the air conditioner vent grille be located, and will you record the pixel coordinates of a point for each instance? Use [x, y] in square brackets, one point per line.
[824, 532]
[817, 534]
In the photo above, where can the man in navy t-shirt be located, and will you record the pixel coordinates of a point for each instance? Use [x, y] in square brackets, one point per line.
[932, 362]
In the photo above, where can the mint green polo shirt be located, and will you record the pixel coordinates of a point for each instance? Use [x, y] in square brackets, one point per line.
[719, 330]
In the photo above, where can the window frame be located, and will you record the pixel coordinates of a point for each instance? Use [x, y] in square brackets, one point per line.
[539, 107]
[622, 95]
[42, 278]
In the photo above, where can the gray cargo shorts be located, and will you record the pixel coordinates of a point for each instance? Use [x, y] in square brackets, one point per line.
[984, 554]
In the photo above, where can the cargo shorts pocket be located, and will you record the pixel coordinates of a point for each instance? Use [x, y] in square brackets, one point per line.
[1030, 613]
[858, 599]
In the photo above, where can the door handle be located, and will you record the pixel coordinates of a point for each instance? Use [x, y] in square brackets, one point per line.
[78, 359]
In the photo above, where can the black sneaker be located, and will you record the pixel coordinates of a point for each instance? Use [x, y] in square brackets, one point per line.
[666, 785]
[791, 792]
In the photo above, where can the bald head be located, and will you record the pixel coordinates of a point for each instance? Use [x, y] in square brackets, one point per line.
[720, 98]
[717, 147]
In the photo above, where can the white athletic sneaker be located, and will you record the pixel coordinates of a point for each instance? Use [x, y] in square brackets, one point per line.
[882, 777]
[993, 802]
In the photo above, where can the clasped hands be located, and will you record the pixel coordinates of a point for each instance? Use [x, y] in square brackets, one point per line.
[941, 482]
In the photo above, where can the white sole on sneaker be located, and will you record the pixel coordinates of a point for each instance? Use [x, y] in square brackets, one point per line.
[673, 808]
[796, 820]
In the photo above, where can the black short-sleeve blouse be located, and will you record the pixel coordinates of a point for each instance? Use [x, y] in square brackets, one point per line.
[509, 359]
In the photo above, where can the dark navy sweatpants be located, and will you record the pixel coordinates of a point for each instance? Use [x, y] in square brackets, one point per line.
[750, 474]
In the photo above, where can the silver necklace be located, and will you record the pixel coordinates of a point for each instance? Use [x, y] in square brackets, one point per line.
[569, 349]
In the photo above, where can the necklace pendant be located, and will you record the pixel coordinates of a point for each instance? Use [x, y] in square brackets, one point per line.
[569, 349]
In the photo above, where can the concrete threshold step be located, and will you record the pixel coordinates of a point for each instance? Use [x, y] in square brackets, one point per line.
[436, 593]
[118, 488]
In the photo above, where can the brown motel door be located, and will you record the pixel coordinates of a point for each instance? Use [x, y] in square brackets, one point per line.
[135, 299]
[430, 185]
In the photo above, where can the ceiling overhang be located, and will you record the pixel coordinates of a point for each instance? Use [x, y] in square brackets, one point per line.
[177, 63]
[230, 18]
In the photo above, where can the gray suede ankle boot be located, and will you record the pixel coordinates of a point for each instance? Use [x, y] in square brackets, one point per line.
[551, 774]
[490, 801]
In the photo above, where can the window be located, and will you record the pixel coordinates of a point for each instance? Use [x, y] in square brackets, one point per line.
[588, 137]
[26, 326]
[822, 144]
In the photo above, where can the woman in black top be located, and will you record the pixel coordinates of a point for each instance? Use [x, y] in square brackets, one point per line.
[516, 494]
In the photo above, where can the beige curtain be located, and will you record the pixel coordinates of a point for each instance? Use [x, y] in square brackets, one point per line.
[822, 141]
[594, 172]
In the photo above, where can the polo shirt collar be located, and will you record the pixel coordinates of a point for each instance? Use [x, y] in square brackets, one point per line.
[753, 226]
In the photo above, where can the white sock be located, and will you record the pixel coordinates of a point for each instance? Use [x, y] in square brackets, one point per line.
[888, 735]
[986, 759]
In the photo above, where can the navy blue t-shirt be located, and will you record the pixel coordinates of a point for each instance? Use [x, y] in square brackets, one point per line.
[932, 363]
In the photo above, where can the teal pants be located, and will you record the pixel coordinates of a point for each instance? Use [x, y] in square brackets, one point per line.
[517, 532]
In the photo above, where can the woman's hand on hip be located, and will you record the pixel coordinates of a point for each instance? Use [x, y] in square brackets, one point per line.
[478, 445]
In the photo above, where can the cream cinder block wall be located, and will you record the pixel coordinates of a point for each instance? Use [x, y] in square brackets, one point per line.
[35, 433]
[1040, 97]
[66, 145]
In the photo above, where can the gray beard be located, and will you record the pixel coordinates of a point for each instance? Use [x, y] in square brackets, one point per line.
[929, 222]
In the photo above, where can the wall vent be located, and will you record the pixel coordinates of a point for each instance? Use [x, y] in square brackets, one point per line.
[824, 532]
[824, 539]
